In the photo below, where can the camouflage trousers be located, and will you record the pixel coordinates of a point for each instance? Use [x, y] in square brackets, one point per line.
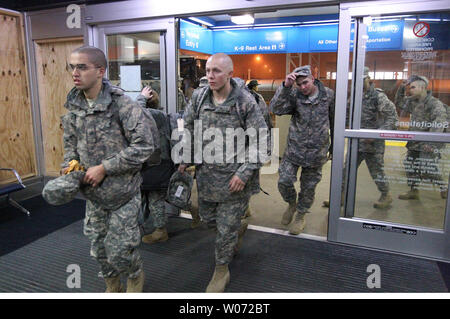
[423, 166]
[114, 236]
[154, 209]
[309, 178]
[375, 164]
[227, 218]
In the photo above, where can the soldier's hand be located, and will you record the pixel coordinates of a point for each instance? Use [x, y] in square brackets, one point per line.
[428, 148]
[95, 175]
[236, 184]
[147, 92]
[182, 168]
[63, 171]
[290, 79]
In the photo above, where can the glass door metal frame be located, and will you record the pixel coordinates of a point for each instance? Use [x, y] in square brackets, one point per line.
[426, 242]
[97, 34]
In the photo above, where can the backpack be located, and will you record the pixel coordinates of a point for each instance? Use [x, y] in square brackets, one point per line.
[155, 157]
[157, 177]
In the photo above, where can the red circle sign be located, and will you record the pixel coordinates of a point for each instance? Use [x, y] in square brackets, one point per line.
[421, 29]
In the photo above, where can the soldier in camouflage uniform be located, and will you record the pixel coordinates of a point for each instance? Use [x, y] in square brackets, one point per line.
[428, 114]
[107, 133]
[378, 113]
[224, 187]
[311, 105]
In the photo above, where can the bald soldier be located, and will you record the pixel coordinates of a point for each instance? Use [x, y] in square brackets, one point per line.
[224, 186]
[428, 114]
[311, 105]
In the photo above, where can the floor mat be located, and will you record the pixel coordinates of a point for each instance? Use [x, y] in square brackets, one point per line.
[185, 263]
[18, 230]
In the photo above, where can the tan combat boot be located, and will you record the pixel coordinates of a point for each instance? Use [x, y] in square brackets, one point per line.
[136, 284]
[195, 217]
[159, 235]
[298, 225]
[289, 213]
[241, 232]
[383, 202]
[444, 194]
[220, 279]
[113, 284]
[326, 203]
[412, 194]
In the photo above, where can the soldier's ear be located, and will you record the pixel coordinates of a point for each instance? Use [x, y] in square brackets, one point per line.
[102, 71]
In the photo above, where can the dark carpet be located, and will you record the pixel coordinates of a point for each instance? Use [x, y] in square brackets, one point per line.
[185, 263]
[18, 230]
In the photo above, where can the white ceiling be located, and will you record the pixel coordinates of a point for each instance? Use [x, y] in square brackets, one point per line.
[285, 13]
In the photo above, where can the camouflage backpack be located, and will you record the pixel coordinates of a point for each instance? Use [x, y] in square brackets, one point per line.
[155, 158]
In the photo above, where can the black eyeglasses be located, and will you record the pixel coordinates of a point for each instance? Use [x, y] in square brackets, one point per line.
[81, 67]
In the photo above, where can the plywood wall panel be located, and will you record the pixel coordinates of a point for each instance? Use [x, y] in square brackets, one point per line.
[54, 81]
[16, 129]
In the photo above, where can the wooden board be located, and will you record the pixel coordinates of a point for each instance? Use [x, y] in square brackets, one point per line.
[54, 81]
[16, 127]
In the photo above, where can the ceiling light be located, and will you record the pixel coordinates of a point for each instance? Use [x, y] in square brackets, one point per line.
[243, 19]
[201, 21]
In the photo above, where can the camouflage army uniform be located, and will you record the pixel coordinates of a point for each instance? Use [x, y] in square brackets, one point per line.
[155, 201]
[308, 140]
[113, 132]
[181, 101]
[429, 110]
[378, 113]
[216, 202]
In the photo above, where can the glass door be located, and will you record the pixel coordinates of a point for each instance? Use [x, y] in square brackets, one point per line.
[391, 154]
[137, 55]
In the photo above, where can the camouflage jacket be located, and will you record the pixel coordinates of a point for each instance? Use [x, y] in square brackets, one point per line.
[213, 178]
[378, 113]
[311, 123]
[115, 133]
[427, 115]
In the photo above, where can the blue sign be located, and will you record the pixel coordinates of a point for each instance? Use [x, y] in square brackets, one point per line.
[195, 38]
[323, 38]
[386, 35]
[251, 41]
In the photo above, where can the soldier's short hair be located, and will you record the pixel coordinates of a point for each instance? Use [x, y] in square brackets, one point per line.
[96, 56]
[252, 84]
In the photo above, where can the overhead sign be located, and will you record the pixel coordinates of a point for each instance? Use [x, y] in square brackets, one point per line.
[272, 40]
[386, 35]
[323, 38]
[195, 38]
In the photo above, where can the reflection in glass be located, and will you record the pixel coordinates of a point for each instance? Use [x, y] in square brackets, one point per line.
[134, 58]
[424, 172]
[407, 66]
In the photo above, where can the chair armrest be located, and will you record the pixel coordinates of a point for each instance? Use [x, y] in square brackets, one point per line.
[15, 173]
